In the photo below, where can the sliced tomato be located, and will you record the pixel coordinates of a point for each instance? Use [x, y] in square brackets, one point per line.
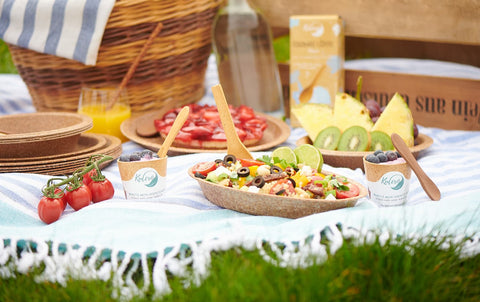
[283, 187]
[204, 167]
[354, 191]
[250, 162]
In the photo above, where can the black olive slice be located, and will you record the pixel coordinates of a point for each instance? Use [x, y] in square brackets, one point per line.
[275, 169]
[199, 175]
[218, 161]
[229, 159]
[258, 181]
[243, 171]
[294, 184]
[280, 192]
[290, 171]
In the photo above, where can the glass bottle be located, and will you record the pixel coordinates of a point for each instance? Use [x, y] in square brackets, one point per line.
[247, 69]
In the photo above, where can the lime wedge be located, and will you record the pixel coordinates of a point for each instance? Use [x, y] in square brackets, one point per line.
[285, 153]
[309, 155]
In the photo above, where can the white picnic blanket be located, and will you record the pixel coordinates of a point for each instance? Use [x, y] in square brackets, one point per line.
[119, 232]
[70, 29]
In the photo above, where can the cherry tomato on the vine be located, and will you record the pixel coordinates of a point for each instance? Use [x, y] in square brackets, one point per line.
[59, 192]
[79, 198]
[87, 178]
[50, 209]
[101, 190]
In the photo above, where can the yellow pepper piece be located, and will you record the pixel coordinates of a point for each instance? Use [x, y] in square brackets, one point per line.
[253, 170]
[241, 181]
[300, 180]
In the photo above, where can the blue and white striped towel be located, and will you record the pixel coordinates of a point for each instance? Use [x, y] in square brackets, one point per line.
[71, 29]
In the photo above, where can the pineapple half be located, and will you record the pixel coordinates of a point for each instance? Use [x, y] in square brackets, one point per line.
[313, 118]
[348, 112]
[397, 118]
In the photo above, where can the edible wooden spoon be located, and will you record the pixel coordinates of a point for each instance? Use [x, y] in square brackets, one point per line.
[307, 92]
[427, 184]
[177, 125]
[234, 144]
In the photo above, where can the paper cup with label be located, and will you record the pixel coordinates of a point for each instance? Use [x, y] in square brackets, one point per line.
[388, 182]
[143, 179]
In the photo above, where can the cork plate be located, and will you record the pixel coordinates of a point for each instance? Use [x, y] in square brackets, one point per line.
[66, 164]
[272, 205]
[354, 160]
[41, 133]
[87, 142]
[276, 133]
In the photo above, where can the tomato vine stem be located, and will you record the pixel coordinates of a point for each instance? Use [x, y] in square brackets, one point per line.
[75, 180]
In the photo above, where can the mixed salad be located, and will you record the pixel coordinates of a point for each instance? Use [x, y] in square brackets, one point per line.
[275, 176]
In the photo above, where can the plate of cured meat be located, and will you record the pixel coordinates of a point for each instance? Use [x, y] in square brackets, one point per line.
[202, 132]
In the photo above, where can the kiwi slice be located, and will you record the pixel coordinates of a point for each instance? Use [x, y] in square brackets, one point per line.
[355, 138]
[380, 140]
[328, 138]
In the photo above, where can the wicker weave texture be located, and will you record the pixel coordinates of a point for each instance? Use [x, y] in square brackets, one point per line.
[170, 74]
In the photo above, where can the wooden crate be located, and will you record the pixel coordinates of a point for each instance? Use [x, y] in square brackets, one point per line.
[427, 29]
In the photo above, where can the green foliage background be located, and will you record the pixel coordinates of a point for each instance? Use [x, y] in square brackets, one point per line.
[6, 63]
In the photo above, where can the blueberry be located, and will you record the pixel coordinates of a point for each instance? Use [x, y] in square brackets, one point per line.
[398, 154]
[135, 157]
[372, 158]
[382, 157]
[391, 155]
[377, 152]
[146, 153]
[147, 156]
[125, 157]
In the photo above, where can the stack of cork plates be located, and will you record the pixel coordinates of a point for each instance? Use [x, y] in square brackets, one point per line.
[65, 163]
[51, 143]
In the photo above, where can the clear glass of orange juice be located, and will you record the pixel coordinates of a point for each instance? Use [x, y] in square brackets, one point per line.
[94, 102]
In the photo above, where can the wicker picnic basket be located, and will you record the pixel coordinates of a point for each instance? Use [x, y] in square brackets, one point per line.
[170, 74]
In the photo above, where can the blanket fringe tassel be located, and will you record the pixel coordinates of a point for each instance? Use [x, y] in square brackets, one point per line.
[61, 262]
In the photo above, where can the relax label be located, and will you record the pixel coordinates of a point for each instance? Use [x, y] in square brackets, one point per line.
[390, 190]
[146, 183]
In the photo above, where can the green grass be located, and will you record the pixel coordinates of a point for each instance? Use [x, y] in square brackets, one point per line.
[6, 63]
[371, 272]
